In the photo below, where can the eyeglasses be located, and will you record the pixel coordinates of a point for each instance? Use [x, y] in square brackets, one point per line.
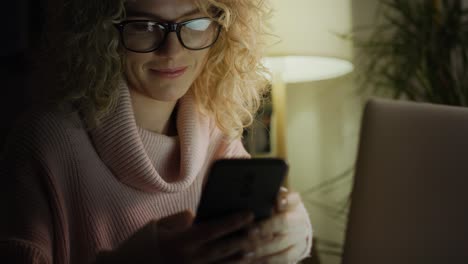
[147, 36]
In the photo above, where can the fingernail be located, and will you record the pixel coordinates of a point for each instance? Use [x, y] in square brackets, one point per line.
[283, 204]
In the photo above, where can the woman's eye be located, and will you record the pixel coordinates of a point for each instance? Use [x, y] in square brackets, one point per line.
[199, 25]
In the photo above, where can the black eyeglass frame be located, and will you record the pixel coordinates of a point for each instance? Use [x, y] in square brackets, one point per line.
[168, 28]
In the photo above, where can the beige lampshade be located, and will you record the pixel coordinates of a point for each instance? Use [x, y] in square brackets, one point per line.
[310, 27]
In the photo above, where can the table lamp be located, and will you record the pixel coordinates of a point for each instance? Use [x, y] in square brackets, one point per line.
[306, 47]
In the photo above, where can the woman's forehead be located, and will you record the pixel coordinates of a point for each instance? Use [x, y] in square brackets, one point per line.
[164, 9]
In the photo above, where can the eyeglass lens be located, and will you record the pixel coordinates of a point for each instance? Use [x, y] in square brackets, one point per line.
[148, 35]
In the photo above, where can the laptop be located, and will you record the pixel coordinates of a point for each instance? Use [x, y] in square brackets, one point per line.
[409, 203]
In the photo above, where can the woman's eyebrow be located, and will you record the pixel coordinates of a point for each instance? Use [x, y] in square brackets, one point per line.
[137, 13]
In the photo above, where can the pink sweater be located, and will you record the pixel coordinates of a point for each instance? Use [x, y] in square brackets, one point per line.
[70, 194]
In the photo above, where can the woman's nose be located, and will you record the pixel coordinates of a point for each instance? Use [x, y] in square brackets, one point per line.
[171, 46]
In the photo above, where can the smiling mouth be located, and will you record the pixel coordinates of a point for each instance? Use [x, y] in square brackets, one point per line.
[169, 73]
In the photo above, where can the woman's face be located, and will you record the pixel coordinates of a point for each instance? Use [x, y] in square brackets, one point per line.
[167, 73]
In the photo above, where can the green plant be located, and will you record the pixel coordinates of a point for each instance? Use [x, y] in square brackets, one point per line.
[419, 51]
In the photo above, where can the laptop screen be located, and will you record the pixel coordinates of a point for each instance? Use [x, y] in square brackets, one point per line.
[410, 197]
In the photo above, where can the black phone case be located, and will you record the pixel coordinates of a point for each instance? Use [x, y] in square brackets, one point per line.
[236, 185]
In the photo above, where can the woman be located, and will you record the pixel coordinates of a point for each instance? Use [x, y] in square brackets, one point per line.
[143, 96]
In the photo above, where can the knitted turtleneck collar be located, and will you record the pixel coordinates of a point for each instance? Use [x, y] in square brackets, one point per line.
[119, 145]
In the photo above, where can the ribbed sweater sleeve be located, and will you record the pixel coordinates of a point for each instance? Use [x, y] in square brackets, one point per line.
[236, 150]
[21, 252]
[26, 232]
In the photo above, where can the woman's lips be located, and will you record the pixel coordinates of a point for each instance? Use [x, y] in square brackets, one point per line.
[169, 73]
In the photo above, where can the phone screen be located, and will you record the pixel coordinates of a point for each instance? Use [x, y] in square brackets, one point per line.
[236, 185]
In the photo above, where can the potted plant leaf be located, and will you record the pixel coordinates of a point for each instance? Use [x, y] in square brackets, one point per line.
[418, 51]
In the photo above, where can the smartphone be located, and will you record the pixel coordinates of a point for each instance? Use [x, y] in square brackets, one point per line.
[236, 185]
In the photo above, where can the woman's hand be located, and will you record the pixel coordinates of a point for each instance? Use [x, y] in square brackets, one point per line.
[175, 239]
[287, 233]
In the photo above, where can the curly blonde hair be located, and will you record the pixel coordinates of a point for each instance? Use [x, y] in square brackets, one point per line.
[233, 81]
[90, 62]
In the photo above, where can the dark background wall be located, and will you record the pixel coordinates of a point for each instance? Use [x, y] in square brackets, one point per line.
[21, 24]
